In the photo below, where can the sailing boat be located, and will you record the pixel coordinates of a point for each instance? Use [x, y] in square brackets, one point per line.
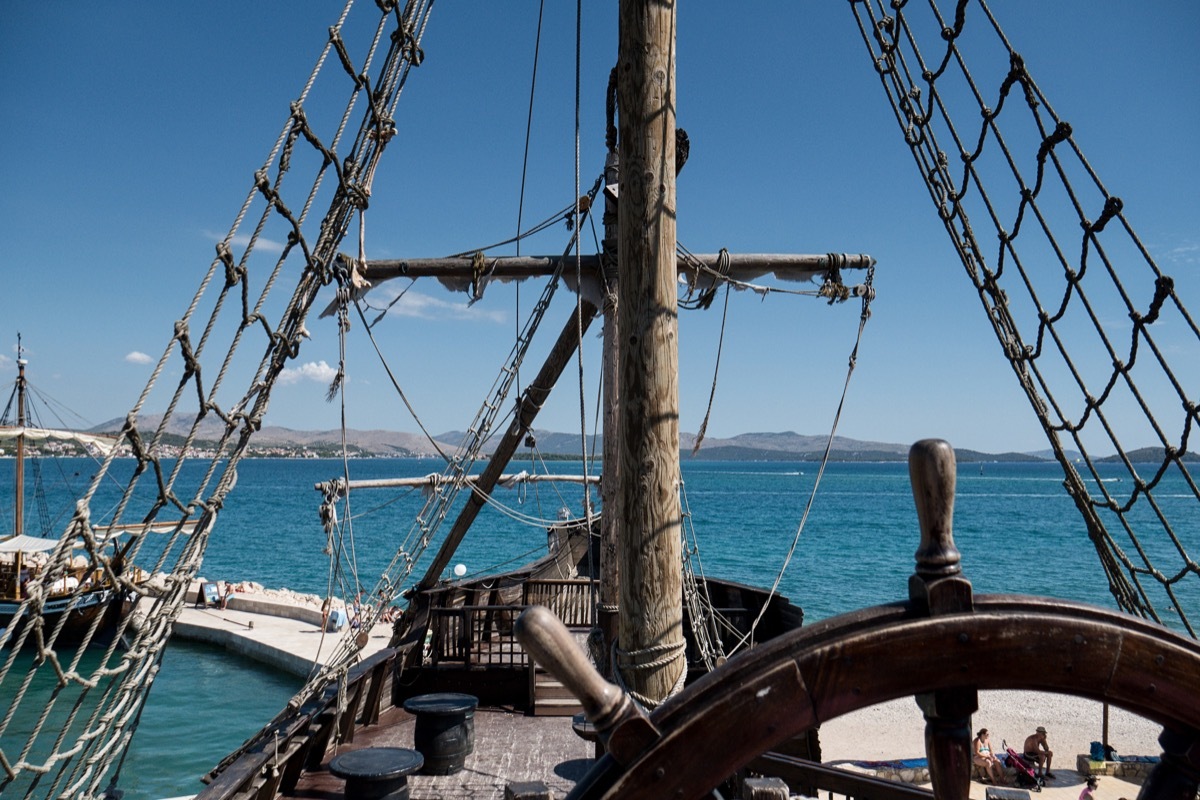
[836, 664]
[71, 598]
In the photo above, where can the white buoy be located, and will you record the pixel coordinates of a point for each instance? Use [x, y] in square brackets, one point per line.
[460, 570]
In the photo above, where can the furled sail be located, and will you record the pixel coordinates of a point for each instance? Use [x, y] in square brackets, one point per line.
[104, 444]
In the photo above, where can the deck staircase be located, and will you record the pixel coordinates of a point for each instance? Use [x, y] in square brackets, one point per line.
[551, 698]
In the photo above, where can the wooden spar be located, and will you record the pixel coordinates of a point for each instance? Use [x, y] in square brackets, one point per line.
[742, 266]
[651, 608]
[434, 478]
[528, 407]
[458, 272]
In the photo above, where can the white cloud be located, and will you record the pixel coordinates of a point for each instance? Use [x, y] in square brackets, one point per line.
[423, 306]
[318, 371]
[138, 357]
[263, 245]
[1184, 254]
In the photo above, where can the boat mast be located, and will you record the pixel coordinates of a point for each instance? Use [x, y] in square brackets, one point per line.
[650, 655]
[19, 480]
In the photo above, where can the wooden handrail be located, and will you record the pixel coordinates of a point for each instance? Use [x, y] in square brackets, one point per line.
[243, 777]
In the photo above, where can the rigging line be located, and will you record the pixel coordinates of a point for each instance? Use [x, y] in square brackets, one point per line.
[703, 616]
[50, 405]
[1041, 395]
[537, 46]
[587, 491]
[534, 456]
[762, 291]
[712, 393]
[862, 323]
[335, 581]
[377, 508]
[383, 311]
[558, 216]
[562, 501]
[339, 385]
[396, 385]
[510, 512]
[522, 558]
[98, 755]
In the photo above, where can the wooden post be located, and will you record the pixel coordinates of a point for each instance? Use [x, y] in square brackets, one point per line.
[938, 587]
[651, 614]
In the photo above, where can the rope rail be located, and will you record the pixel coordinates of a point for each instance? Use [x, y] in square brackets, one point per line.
[99, 700]
[1064, 266]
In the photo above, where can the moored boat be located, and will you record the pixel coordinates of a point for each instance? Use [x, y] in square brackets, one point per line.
[72, 597]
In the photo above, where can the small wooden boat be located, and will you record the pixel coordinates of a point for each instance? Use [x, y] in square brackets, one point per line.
[72, 597]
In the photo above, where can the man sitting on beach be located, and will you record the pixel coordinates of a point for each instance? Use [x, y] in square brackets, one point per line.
[1039, 753]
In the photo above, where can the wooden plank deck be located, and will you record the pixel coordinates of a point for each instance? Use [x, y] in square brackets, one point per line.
[509, 747]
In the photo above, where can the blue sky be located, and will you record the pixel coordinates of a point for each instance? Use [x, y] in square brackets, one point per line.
[132, 131]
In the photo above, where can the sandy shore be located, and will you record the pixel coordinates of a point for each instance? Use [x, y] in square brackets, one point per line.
[897, 730]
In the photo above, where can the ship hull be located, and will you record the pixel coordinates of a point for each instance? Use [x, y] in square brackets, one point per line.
[71, 616]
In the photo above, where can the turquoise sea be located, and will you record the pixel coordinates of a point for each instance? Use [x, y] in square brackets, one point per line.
[1017, 530]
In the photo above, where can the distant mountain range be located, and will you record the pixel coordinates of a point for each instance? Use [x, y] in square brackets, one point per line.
[766, 446]
[762, 446]
[275, 438]
[759, 446]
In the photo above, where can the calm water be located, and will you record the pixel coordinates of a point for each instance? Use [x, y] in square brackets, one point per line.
[1017, 530]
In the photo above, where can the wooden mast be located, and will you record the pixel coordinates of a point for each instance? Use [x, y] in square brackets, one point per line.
[608, 599]
[651, 606]
[19, 479]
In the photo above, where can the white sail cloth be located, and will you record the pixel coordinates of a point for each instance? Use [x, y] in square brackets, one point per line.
[105, 444]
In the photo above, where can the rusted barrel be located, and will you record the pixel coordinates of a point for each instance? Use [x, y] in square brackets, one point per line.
[445, 730]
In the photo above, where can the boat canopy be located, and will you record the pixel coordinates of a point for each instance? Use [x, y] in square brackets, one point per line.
[27, 544]
[101, 442]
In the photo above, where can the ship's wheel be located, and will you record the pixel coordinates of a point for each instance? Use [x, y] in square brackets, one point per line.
[941, 646]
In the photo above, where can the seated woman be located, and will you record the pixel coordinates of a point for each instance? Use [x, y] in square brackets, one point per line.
[983, 757]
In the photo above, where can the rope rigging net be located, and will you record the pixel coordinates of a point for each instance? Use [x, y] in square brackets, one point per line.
[443, 492]
[1060, 262]
[96, 704]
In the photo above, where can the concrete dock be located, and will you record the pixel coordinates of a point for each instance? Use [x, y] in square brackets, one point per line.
[271, 630]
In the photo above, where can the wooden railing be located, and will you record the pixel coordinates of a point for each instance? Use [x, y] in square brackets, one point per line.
[570, 600]
[476, 636]
[273, 761]
[481, 634]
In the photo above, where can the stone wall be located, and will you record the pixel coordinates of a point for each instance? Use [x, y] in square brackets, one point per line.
[1135, 771]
